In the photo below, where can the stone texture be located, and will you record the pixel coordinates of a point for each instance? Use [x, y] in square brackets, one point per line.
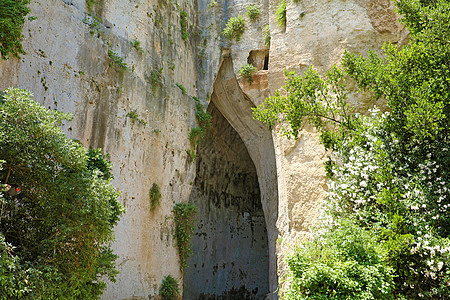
[68, 68]
[230, 251]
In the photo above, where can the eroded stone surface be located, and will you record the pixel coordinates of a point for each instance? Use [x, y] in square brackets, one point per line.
[230, 251]
[67, 68]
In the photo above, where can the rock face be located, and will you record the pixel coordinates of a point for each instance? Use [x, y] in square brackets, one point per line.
[230, 249]
[136, 102]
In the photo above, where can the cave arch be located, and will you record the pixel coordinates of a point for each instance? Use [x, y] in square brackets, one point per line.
[238, 157]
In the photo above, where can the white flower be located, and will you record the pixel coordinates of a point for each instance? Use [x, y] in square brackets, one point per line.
[363, 183]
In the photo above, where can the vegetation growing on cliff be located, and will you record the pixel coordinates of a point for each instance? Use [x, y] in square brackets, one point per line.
[117, 61]
[266, 35]
[235, 28]
[388, 201]
[169, 288]
[12, 18]
[184, 25]
[280, 13]
[253, 12]
[184, 218]
[57, 207]
[155, 196]
[247, 71]
[197, 134]
[134, 116]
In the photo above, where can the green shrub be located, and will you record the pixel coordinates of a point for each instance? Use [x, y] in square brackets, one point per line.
[247, 71]
[346, 263]
[94, 24]
[253, 12]
[169, 288]
[117, 61]
[100, 162]
[184, 218]
[235, 28]
[155, 196]
[280, 13]
[61, 224]
[12, 18]
[266, 35]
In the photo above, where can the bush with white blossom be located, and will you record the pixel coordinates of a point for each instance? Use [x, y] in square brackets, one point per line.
[389, 173]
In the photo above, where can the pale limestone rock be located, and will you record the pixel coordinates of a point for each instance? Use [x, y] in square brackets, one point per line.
[68, 68]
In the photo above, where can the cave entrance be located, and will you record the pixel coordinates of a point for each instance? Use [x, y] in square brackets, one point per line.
[230, 257]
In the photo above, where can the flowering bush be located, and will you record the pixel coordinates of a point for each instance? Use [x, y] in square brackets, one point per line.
[56, 234]
[389, 172]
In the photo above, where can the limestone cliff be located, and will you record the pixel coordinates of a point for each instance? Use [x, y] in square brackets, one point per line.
[254, 188]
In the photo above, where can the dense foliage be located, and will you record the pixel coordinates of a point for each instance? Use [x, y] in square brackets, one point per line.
[12, 18]
[57, 208]
[389, 172]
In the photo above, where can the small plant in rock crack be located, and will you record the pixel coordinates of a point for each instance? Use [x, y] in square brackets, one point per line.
[184, 217]
[135, 118]
[137, 45]
[155, 196]
[204, 123]
[247, 72]
[184, 25]
[117, 60]
[95, 25]
[182, 88]
[266, 35]
[169, 289]
[156, 78]
[280, 13]
[235, 28]
[253, 12]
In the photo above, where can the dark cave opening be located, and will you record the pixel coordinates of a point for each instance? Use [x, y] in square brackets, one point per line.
[230, 258]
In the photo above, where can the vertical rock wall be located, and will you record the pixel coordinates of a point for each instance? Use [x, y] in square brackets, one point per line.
[230, 251]
[68, 68]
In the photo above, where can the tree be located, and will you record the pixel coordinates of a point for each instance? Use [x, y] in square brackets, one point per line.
[389, 172]
[12, 18]
[58, 207]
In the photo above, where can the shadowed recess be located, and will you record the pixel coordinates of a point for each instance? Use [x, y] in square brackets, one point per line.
[230, 248]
